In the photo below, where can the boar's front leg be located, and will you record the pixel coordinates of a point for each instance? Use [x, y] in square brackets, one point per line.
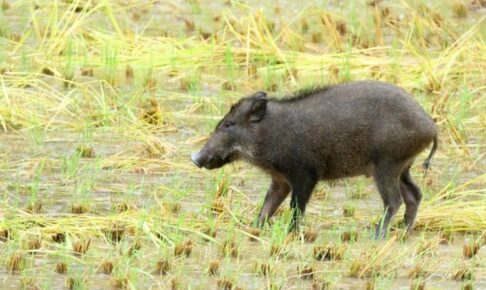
[301, 191]
[278, 191]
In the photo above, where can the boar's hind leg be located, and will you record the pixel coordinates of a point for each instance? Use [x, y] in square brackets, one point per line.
[301, 192]
[411, 195]
[387, 180]
[278, 191]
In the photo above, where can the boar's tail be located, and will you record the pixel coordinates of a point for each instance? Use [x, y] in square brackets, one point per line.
[426, 164]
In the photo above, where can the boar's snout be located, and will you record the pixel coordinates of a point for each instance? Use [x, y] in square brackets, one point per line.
[207, 160]
[196, 159]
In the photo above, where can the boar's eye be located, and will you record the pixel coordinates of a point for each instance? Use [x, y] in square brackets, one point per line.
[228, 124]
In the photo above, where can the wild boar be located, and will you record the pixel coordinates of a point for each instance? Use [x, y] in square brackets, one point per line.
[358, 128]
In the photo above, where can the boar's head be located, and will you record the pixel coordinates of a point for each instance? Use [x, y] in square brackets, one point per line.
[233, 136]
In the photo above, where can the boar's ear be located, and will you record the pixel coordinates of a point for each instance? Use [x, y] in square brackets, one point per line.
[258, 107]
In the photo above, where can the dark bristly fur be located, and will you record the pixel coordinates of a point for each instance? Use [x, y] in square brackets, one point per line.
[296, 96]
[323, 133]
[303, 93]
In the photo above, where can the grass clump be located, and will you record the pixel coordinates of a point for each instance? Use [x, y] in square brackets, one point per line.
[229, 248]
[213, 269]
[16, 262]
[471, 248]
[377, 261]
[106, 267]
[464, 273]
[162, 267]
[306, 272]
[329, 252]
[80, 247]
[61, 268]
[86, 151]
[225, 284]
[184, 248]
[73, 283]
